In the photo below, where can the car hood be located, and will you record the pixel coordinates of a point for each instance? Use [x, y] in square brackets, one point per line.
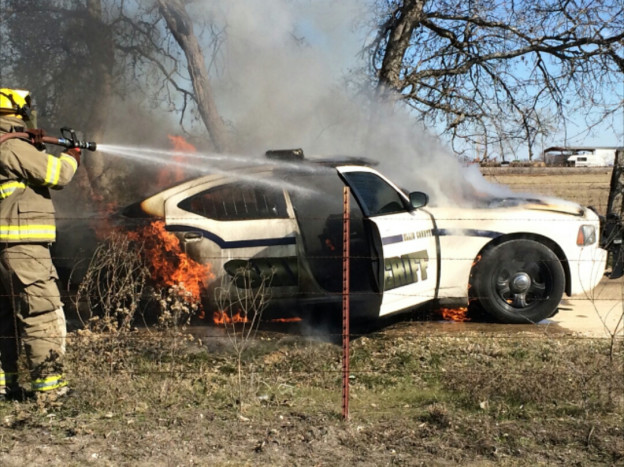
[537, 204]
[508, 209]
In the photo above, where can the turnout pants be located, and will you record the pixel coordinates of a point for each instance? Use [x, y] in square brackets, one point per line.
[31, 314]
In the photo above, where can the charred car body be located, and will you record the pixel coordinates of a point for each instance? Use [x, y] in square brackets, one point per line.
[283, 219]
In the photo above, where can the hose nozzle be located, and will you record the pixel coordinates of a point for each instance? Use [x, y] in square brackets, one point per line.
[69, 140]
[90, 145]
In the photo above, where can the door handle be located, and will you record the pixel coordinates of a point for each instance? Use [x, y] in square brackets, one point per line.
[190, 237]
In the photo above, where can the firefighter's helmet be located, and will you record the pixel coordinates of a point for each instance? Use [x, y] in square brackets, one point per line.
[15, 102]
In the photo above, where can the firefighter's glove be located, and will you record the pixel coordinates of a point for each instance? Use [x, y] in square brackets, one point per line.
[36, 138]
[75, 153]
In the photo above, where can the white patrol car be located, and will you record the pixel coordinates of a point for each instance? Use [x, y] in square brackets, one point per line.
[513, 257]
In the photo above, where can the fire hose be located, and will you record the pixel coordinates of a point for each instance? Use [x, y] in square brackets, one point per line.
[67, 140]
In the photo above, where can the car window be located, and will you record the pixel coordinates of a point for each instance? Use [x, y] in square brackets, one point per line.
[235, 202]
[319, 212]
[374, 193]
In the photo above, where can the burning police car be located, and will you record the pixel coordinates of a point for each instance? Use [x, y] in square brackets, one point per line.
[283, 219]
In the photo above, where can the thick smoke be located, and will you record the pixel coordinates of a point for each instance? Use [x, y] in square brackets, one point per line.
[290, 75]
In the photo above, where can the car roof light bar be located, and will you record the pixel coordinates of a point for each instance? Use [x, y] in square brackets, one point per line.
[285, 154]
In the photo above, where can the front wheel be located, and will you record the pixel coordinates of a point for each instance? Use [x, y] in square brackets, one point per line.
[519, 281]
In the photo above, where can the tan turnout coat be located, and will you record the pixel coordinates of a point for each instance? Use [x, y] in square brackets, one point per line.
[26, 176]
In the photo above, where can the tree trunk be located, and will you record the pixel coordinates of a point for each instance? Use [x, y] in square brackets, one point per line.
[101, 177]
[399, 35]
[181, 26]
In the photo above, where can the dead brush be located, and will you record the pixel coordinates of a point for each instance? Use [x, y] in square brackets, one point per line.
[107, 302]
[176, 307]
[113, 286]
[116, 293]
[437, 415]
[115, 302]
[241, 300]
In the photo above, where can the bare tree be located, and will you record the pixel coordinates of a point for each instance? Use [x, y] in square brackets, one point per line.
[181, 26]
[166, 62]
[77, 56]
[483, 71]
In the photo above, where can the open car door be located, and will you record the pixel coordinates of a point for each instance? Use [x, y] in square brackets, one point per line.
[409, 268]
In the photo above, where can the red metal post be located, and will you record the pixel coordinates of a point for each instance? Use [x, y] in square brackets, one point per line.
[345, 303]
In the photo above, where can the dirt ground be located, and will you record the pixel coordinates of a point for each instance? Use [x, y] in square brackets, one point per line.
[421, 391]
[599, 314]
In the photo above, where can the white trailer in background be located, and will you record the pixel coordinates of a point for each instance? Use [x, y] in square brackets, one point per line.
[580, 156]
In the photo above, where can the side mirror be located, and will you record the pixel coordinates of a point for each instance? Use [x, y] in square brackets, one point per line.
[418, 199]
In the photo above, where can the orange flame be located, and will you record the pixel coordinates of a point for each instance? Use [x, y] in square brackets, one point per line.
[459, 315]
[174, 172]
[286, 320]
[223, 318]
[169, 265]
[180, 144]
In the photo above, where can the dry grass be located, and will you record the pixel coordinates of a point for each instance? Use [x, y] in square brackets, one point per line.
[162, 396]
[165, 398]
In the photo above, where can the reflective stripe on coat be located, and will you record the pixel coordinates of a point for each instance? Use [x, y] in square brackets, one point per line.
[26, 176]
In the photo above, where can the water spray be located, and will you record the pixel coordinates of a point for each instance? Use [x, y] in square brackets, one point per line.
[227, 165]
[193, 160]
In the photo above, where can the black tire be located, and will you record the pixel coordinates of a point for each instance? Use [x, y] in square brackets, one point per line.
[518, 282]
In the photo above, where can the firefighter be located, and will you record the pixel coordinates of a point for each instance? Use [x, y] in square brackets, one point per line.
[31, 311]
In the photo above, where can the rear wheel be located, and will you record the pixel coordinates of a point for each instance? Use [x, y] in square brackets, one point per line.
[520, 281]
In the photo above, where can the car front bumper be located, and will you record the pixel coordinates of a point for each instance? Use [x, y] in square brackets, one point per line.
[587, 270]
